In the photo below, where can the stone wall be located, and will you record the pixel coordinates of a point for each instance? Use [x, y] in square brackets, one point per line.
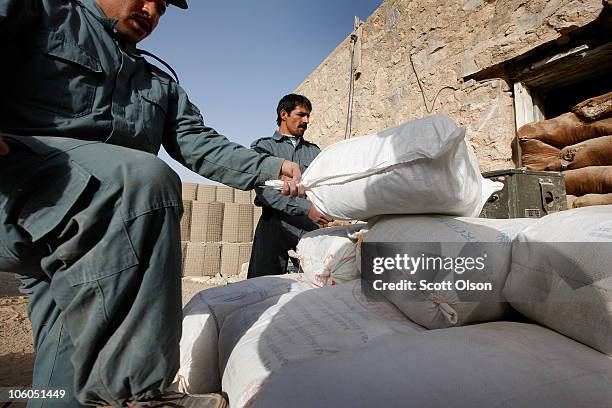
[447, 41]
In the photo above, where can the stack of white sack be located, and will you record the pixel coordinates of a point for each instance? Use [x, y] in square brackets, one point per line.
[425, 166]
[328, 256]
[448, 238]
[262, 338]
[498, 364]
[203, 319]
[561, 274]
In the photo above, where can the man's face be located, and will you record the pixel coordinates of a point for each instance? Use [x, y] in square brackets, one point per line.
[295, 122]
[136, 19]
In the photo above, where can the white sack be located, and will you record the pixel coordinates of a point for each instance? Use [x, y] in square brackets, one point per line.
[203, 317]
[423, 166]
[260, 339]
[567, 287]
[445, 308]
[328, 255]
[500, 364]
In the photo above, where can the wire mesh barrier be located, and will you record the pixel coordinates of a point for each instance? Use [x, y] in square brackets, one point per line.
[217, 230]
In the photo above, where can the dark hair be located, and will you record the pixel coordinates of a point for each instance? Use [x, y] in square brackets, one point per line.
[289, 102]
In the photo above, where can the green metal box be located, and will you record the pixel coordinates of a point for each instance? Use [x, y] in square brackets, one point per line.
[526, 194]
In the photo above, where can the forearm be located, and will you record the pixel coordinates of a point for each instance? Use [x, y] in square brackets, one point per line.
[292, 206]
[202, 149]
[213, 156]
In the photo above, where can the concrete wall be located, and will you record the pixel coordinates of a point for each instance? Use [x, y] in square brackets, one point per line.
[448, 41]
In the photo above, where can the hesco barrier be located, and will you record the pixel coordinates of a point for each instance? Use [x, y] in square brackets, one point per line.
[217, 229]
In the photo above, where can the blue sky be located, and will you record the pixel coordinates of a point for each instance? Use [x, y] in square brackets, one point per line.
[236, 59]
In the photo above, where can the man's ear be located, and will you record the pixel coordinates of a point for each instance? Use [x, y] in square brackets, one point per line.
[283, 115]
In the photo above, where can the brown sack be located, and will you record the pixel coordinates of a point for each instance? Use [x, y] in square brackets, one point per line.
[595, 108]
[535, 155]
[594, 152]
[589, 200]
[565, 130]
[595, 180]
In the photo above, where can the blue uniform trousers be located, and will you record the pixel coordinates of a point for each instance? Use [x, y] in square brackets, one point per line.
[93, 232]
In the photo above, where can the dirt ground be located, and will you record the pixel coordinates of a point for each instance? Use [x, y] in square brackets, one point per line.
[16, 344]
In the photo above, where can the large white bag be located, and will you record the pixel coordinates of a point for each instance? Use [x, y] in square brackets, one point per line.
[452, 237]
[499, 364]
[421, 167]
[260, 339]
[327, 256]
[561, 274]
[203, 318]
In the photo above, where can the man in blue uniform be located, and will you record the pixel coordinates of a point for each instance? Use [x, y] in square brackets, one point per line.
[89, 216]
[284, 219]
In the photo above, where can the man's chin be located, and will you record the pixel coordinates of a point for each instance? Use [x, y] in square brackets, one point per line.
[133, 33]
[135, 37]
[132, 36]
[142, 37]
[139, 35]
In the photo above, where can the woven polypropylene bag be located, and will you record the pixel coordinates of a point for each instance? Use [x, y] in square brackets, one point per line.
[423, 166]
[560, 275]
[203, 318]
[328, 256]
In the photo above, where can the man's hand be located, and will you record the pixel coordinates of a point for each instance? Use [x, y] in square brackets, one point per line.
[291, 175]
[4, 149]
[317, 216]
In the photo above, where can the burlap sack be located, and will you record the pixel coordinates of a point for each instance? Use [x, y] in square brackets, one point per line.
[535, 155]
[595, 108]
[565, 130]
[589, 180]
[589, 200]
[594, 152]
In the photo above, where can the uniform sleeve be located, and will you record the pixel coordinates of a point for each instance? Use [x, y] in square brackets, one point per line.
[201, 149]
[16, 17]
[269, 197]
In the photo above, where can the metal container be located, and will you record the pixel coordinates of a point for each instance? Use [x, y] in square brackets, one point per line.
[526, 194]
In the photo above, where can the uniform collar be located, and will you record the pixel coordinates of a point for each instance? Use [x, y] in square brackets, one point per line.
[279, 136]
[93, 7]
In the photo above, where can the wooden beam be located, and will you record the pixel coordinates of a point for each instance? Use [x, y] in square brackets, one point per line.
[523, 105]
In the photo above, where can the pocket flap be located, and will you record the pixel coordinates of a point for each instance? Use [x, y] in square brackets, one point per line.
[60, 48]
[154, 92]
[44, 212]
